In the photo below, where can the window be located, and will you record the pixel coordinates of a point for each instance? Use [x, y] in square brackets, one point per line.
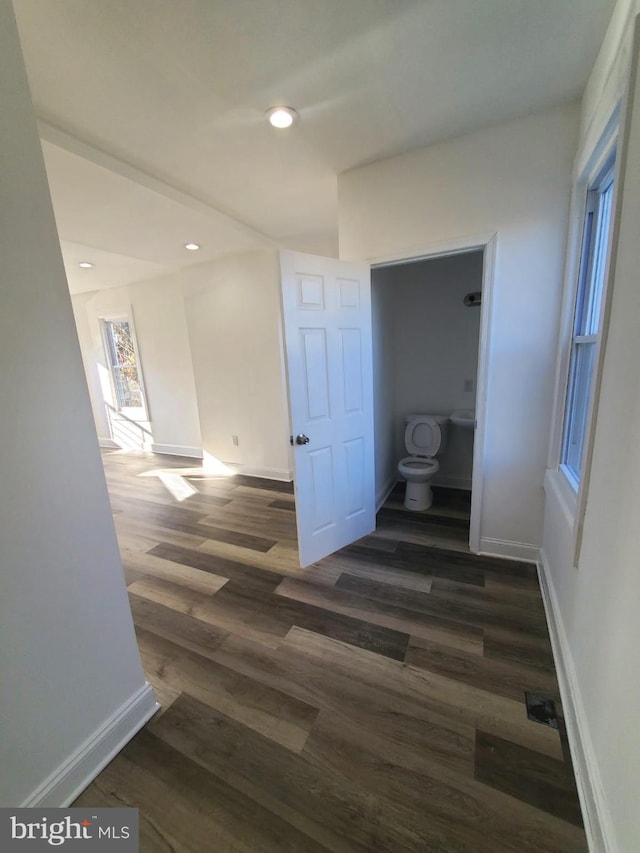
[123, 366]
[587, 320]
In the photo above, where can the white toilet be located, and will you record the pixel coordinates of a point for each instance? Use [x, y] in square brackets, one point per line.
[424, 438]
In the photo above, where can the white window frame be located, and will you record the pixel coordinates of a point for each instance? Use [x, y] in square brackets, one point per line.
[138, 413]
[572, 496]
[588, 315]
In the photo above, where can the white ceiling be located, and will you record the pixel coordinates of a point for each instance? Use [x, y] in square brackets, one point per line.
[152, 111]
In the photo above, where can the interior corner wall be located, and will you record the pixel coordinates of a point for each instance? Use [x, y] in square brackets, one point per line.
[160, 325]
[512, 179]
[234, 324]
[595, 604]
[68, 656]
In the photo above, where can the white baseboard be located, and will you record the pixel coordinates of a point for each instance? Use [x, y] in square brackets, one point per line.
[595, 812]
[177, 450]
[80, 769]
[267, 473]
[385, 492]
[109, 444]
[512, 550]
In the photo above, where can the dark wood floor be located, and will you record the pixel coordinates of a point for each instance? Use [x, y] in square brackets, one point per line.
[373, 702]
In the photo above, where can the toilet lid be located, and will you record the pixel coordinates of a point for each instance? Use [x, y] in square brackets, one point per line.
[423, 437]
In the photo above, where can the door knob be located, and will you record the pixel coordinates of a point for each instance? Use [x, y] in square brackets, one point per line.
[302, 439]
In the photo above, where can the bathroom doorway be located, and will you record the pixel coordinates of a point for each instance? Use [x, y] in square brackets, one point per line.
[428, 319]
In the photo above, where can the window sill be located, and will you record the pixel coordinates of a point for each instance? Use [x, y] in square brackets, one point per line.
[558, 484]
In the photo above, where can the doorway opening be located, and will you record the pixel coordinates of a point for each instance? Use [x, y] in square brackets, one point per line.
[429, 324]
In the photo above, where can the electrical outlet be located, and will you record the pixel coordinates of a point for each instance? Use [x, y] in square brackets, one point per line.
[468, 384]
[234, 439]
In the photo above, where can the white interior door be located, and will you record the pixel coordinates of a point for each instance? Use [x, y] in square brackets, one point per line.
[327, 325]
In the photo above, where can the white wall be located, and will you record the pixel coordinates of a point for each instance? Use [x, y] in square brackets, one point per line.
[233, 317]
[608, 79]
[513, 179]
[68, 656]
[157, 308]
[313, 244]
[209, 345]
[596, 604]
[436, 349]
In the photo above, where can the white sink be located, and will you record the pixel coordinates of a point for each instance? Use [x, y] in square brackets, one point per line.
[464, 418]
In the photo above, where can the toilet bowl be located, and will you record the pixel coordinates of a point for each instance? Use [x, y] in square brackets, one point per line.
[424, 437]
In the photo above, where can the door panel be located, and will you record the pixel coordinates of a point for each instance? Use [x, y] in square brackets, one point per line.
[351, 352]
[315, 372]
[327, 322]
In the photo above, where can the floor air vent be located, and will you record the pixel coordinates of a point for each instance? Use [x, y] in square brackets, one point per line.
[541, 709]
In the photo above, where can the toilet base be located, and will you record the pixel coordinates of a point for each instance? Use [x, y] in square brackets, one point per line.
[418, 496]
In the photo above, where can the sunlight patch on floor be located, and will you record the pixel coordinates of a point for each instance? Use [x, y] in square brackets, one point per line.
[176, 480]
[176, 484]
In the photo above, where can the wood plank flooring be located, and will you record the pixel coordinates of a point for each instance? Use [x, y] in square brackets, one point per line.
[373, 702]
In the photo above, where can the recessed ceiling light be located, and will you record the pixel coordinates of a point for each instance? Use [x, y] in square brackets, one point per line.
[192, 247]
[85, 265]
[281, 117]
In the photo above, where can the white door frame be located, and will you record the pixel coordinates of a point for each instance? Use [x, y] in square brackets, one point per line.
[487, 243]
